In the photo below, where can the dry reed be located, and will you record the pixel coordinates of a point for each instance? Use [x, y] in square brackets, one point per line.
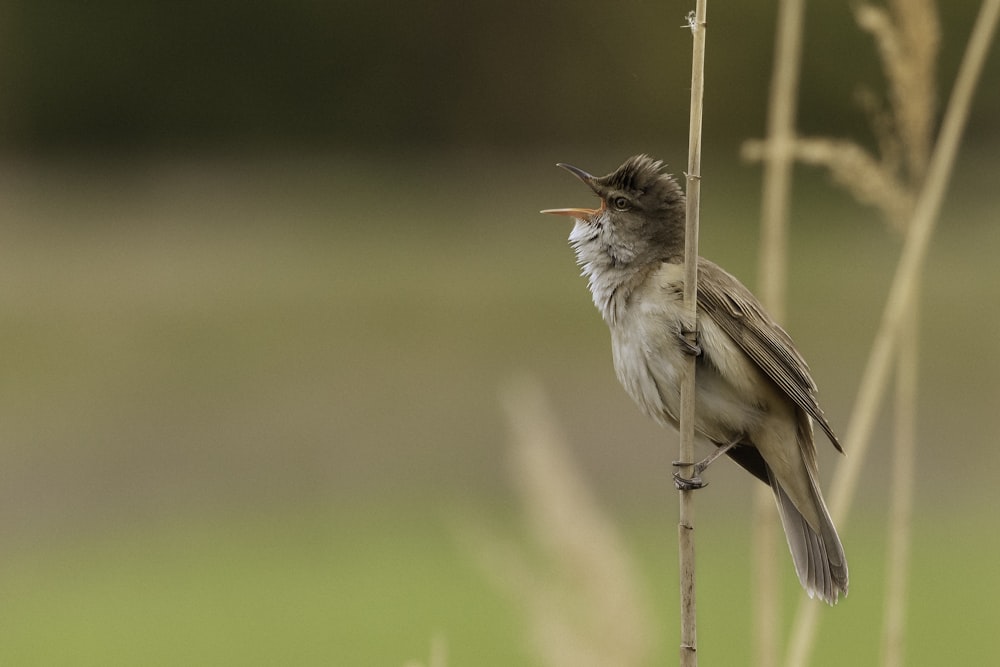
[580, 593]
[899, 310]
[685, 525]
[772, 272]
[907, 36]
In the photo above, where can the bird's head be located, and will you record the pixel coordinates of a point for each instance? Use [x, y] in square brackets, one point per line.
[640, 219]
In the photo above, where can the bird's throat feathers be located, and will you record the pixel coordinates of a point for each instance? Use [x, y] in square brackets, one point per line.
[609, 266]
[639, 225]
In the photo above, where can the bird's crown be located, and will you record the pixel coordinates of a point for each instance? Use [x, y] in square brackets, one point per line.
[641, 175]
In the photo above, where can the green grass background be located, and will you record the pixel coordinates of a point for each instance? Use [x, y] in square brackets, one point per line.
[246, 405]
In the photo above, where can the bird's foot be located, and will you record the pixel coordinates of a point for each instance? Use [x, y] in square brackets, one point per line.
[695, 482]
[688, 483]
[690, 342]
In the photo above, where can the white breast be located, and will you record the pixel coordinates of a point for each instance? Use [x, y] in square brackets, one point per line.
[649, 359]
[647, 353]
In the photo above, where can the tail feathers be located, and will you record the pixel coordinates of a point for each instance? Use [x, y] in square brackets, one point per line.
[818, 556]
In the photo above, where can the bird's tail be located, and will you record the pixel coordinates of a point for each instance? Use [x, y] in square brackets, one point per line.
[816, 550]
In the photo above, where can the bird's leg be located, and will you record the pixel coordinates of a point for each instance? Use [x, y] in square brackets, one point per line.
[689, 339]
[695, 481]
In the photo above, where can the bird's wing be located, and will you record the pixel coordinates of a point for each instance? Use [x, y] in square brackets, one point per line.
[736, 310]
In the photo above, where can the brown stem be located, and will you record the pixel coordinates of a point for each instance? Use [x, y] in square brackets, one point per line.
[685, 526]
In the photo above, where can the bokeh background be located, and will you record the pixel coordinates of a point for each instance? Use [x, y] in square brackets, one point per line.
[265, 265]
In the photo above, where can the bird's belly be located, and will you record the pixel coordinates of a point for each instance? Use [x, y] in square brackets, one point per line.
[722, 412]
[653, 381]
[726, 406]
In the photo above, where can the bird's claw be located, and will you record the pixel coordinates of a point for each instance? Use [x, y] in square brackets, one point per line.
[688, 345]
[695, 481]
[688, 484]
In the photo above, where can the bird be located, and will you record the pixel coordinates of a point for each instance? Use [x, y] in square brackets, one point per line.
[755, 399]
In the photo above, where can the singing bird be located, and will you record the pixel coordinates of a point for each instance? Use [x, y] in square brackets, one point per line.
[755, 398]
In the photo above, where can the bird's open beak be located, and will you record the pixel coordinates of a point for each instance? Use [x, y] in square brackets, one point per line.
[581, 213]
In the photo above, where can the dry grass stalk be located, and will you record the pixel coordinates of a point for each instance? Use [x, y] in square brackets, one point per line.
[871, 181]
[766, 584]
[915, 30]
[908, 37]
[772, 272]
[581, 594]
[901, 500]
[901, 296]
[685, 524]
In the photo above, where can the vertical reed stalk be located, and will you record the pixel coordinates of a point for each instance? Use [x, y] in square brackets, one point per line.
[685, 525]
[901, 500]
[921, 226]
[772, 271]
[913, 103]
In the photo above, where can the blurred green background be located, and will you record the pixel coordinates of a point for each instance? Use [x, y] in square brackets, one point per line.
[265, 265]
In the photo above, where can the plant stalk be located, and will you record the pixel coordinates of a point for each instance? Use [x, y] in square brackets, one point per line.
[772, 276]
[901, 501]
[921, 226]
[685, 525]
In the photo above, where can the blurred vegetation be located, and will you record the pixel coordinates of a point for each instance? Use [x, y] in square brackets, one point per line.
[245, 401]
[265, 265]
[182, 75]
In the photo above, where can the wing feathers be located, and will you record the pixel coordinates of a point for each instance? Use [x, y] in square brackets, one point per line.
[737, 312]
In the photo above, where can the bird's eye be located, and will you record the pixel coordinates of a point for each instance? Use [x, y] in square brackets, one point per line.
[620, 203]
